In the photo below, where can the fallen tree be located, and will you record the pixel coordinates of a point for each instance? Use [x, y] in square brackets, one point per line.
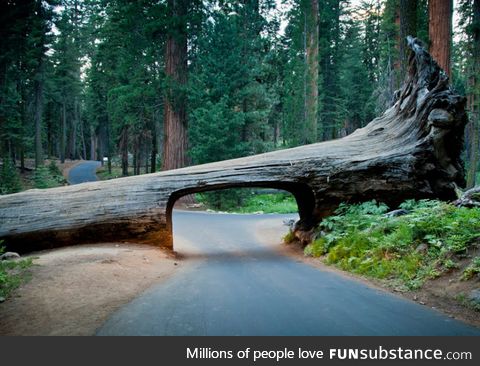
[411, 151]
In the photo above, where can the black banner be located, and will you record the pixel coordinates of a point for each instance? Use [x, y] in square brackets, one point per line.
[242, 350]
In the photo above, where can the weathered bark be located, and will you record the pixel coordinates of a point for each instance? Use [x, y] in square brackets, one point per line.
[411, 151]
[175, 116]
[440, 32]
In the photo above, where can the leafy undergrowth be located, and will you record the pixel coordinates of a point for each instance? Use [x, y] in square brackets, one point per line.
[247, 202]
[13, 180]
[281, 203]
[48, 176]
[12, 274]
[116, 172]
[428, 241]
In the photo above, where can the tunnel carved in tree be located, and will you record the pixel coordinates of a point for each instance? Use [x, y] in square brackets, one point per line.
[411, 151]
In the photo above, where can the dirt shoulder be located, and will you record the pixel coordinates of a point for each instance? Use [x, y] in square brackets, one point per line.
[73, 290]
[440, 294]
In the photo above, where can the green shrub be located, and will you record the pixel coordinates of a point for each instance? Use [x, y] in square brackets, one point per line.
[472, 270]
[361, 239]
[54, 169]
[12, 274]
[289, 237]
[9, 178]
[316, 248]
[248, 201]
[48, 177]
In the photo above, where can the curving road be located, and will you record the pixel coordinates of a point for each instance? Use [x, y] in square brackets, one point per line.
[83, 172]
[234, 285]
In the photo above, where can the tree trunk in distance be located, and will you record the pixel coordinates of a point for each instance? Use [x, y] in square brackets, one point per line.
[93, 144]
[474, 98]
[38, 85]
[408, 27]
[63, 142]
[153, 156]
[124, 149]
[311, 103]
[175, 116]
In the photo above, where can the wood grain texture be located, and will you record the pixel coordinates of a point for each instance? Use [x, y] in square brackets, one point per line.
[412, 151]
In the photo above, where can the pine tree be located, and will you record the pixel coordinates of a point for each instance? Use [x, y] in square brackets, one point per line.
[470, 22]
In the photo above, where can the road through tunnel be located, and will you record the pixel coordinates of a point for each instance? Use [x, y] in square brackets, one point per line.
[303, 195]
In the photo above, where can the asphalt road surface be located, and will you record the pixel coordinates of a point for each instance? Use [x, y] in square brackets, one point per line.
[236, 285]
[83, 172]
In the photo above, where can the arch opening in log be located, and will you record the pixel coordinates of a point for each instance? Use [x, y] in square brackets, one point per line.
[303, 194]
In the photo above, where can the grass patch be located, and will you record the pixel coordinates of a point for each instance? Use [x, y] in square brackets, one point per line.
[248, 201]
[463, 299]
[10, 181]
[472, 270]
[281, 203]
[12, 274]
[412, 248]
[289, 238]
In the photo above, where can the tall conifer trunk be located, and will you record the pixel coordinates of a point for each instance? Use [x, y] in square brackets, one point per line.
[440, 32]
[408, 27]
[38, 103]
[63, 140]
[311, 94]
[175, 117]
[473, 99]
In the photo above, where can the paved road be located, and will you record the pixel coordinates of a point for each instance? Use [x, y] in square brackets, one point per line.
[83, 172]
[238, 286]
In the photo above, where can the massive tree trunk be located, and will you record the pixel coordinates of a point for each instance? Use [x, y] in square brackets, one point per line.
[474, 98]
[408, 27]
[411, 151]
[440, 32]
[311, 102]
[175, 116]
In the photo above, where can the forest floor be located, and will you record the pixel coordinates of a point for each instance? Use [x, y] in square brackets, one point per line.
[27, 176]
[73, 290]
